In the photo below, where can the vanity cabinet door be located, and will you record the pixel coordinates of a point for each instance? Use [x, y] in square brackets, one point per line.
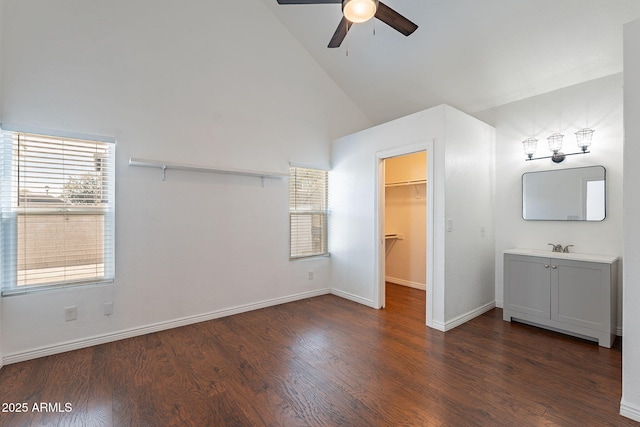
[580, 293]
[528, 289]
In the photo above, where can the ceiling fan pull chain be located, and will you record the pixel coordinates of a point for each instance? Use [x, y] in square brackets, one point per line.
[346, 24]
[374, 27]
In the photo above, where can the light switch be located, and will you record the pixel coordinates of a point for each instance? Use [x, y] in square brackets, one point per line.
[449, 225]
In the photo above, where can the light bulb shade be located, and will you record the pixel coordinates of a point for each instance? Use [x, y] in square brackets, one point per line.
[555, 142]
[530, 145]
[583, 138]
[357, 11]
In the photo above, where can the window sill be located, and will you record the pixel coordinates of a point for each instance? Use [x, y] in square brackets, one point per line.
[310, 257]
[31, 289]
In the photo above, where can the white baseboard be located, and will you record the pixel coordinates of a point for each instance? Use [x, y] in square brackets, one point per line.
[354, 298]
[468, 316]
[438, 326]
[156, 327]
[408, 283]
[630, 411]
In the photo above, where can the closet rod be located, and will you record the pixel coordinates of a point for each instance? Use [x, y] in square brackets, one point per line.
[134, 161]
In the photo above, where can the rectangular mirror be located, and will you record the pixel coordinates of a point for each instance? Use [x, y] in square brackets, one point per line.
[577, 194]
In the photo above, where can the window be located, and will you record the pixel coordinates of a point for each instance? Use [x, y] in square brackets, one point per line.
[57, 211]
[308, 212]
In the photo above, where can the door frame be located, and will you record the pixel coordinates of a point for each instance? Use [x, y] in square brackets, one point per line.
[380, 156]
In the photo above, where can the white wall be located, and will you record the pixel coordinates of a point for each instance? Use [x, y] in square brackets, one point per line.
[469, 171]
[406, 213]
[630, 404]
[460, 189]
[1, 68]
[596, 104]
[189, 84]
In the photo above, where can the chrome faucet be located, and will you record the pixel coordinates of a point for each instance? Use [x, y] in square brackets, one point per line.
[556, 248]
[566, 249]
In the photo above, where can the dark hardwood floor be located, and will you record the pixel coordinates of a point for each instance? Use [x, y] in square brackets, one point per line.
[326, 361]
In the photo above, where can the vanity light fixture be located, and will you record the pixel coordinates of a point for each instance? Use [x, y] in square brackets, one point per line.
[530, 146]
[583, 138]
[555, 145]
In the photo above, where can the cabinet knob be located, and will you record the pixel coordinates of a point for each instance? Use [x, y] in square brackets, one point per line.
[546, 266]
[554, 266]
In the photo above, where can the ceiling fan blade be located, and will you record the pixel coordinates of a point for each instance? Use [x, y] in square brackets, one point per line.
[394, 19]
[308, 1]
[341, 33]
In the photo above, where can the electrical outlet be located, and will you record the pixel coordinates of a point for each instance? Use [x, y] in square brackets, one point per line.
[70, 313]
[107, 308]
[310, 274]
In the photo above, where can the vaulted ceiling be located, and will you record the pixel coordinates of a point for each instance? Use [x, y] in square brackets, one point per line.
[471, 54]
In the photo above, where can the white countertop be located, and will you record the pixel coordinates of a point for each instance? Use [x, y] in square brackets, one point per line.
[609, 259]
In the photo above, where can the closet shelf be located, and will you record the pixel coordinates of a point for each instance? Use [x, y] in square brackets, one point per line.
[405, 183]
[134, 161]
[394, 236]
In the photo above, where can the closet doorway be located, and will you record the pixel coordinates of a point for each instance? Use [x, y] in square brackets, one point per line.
[404, 215]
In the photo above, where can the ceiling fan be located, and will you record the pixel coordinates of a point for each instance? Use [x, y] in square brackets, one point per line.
[357, 11]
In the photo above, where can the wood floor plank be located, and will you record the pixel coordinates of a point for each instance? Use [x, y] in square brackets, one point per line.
[327, 361]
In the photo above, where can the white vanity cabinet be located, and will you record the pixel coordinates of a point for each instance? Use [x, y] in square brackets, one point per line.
[574, 293]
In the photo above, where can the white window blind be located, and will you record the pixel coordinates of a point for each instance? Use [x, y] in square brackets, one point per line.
[308, 212]
[57, 207]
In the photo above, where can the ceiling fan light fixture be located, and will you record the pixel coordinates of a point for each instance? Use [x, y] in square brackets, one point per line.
[358, 11]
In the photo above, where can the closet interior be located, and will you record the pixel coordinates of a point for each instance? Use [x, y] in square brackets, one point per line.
[405, 220]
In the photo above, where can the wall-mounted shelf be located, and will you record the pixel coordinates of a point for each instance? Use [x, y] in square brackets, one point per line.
[405, 183]
[413, 183]
[133, 161]
[394, 236]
